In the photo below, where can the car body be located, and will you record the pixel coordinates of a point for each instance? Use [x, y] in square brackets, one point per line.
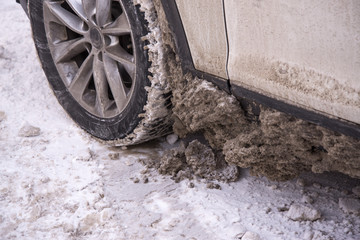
[301, 58]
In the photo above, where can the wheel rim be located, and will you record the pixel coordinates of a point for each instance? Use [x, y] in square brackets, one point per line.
[91, 43]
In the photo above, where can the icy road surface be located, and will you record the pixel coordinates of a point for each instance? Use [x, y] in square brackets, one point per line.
[58, 183]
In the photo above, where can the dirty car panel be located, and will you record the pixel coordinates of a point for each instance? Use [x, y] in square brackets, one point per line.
[304, 53]
[205, 29]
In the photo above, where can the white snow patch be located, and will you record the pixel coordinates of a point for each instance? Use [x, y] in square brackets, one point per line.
[172, 139]
[251, 236]
[299, 212]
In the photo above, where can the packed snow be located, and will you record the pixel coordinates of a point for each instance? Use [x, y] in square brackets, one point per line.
[56, 182]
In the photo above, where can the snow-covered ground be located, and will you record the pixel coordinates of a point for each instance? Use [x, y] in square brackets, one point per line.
[62, 184]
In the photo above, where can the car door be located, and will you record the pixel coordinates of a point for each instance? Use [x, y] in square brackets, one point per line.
[306, 53]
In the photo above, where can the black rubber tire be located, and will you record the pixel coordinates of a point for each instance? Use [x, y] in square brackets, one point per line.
[106, 129]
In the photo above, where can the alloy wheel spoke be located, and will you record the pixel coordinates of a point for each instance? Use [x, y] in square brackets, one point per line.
[101, 86]
[89, 7]
[115, 82]
[103, 12]
[66, 18]
[81, 80]
[119, 54]
[130, 69]
[119, 27]
[77, 7]
[66, 50]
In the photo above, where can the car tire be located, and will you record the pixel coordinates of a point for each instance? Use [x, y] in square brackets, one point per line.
[96, 62]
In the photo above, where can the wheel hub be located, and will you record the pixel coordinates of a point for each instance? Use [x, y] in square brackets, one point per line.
[96, 38]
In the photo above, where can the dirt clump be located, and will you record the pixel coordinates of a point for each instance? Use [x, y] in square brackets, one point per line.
[281, 147]
[350, 205]
[198, 106]
[172, 161]
[2, 116]
[356, 191]
[114, 156]
[209, 165]
[198, 160]
[29, 131]
[212, 185]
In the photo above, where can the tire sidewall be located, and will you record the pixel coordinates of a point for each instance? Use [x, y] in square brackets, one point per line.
[121, 125]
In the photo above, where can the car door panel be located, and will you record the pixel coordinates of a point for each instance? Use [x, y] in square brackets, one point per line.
[306, 53]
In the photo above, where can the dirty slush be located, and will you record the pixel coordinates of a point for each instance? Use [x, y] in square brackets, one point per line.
[271, 144]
